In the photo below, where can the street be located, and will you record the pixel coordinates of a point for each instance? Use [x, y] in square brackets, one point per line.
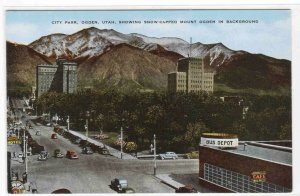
[93, 173]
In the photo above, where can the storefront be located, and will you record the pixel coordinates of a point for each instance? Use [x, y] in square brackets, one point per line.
[244, 167]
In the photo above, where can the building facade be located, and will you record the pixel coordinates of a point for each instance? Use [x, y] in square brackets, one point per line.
[191, 76]
[68, 72]
[44, 78]
[250, 167]
[61, 77]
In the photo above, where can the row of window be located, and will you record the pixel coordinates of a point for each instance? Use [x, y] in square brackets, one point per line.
[238, 182]
[180, 86]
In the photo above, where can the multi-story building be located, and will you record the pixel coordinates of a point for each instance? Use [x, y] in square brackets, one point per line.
[61, 77]
[68, 72]
[191, 76]
[44, 78]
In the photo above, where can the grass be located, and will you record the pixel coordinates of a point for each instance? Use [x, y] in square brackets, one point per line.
[193, 155]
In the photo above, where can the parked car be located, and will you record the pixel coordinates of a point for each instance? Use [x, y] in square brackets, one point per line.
[38, 133]
[128, 190]
[186, 189]
[20, 155]
[71, 154]
[168, 155]
[45, 153]
[43, 156]
[119, 184]
[58, 154]
[54, 136]
[104, 151]
[87, 150]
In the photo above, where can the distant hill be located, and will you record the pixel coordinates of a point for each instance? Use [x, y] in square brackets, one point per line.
[108, 58]
[21, 65]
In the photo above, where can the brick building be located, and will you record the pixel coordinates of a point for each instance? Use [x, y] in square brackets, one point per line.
[252, 168]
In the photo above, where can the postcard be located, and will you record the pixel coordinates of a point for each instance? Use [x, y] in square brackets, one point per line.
[149, 101]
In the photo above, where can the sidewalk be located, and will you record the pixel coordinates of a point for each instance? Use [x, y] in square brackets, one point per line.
[166, 179]
[113, 151]
[178, 180]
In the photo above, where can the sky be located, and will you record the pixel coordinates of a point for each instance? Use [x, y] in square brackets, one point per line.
[269, 35]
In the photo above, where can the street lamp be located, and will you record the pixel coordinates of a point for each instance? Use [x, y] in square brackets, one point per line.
[121, 142]
[153, 148]
[68, 121]
[86, 126]
[25, 138]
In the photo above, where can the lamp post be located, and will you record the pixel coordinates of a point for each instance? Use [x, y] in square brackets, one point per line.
[25, 149]
[153, 148]
[26, 155]
[87, 125]
[121, 142]
[68, 122]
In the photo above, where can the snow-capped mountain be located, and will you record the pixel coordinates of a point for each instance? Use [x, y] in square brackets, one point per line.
[107, 57]
[93, 42]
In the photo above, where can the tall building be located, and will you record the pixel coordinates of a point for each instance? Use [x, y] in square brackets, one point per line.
[44, 78]
[191, 77]
[61, 77]
[68, 72]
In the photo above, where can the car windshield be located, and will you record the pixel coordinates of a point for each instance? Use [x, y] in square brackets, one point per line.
[123, 181]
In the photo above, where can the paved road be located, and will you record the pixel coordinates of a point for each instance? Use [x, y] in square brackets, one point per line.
[92, 173]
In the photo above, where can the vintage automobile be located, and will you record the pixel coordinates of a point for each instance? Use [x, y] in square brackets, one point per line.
[168, 155]
[186, 189]
[119, 184]
[43, 156]
[71, 154]
[58, 154]
[87, 150]
[38, 133]
[54, 136]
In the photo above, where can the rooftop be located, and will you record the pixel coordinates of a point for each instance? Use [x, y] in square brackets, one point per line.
[278, 154]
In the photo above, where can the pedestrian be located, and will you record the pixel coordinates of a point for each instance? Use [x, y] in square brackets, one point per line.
[24, 177]
[14, 154]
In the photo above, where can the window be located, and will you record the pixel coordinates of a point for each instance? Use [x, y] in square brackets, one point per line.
[238, 182]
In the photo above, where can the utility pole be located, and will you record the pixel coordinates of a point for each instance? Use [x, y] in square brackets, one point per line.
[24, 144]
[68, 121]
[87, 129]
[26, 155]
[154, 142]
[153, 148]
[121, 142]
[87, 125]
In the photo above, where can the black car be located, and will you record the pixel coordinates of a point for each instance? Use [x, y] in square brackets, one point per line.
[119, 184]
[186, 189]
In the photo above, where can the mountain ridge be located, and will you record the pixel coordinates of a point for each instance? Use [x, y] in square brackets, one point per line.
[91, 47]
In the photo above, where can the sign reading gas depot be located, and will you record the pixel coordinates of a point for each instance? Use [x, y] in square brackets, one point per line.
[219, 140]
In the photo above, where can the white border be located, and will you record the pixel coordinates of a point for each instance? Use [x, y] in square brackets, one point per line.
[158, 4]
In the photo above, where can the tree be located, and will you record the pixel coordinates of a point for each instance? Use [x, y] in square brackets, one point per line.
[194, 132]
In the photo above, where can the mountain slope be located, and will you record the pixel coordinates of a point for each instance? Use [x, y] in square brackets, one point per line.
[88, 47]
[125, 66]
[257, 71]
[21, 65]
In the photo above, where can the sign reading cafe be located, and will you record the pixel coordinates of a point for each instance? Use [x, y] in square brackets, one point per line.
[219, 140]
